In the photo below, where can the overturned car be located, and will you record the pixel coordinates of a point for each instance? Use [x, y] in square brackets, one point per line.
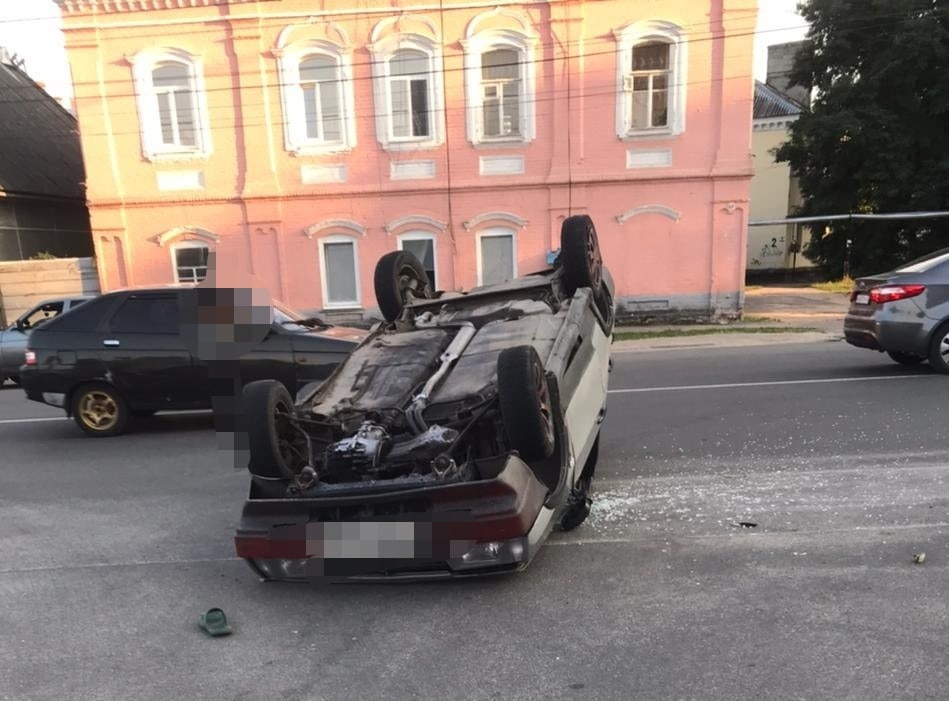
[451, 441]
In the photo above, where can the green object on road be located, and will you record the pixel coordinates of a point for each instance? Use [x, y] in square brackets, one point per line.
[215, 622]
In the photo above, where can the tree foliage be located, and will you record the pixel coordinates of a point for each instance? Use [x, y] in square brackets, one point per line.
[876, 138]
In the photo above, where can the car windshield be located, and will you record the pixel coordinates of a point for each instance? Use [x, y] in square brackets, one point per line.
[921, 265]
[288, 316]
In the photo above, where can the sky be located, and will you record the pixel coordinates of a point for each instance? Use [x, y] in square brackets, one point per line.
[31, 29]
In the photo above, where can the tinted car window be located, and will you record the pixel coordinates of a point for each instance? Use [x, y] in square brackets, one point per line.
[146, 315]
[82, 318]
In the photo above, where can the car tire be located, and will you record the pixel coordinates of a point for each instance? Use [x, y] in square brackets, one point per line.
[905, 358]
[580, 254]
[579, 503]
[939, 349]
[99, 410]
[526, 403]
[399, 276]
[270, 437]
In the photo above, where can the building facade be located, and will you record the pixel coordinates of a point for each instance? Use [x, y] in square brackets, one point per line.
[775, 248]
[310, 138]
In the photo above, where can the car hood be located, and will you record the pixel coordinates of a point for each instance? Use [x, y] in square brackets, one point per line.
[344, 333]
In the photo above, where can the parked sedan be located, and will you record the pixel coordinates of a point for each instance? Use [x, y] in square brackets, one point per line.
[904, 313]
[127, 354]
[13, 338]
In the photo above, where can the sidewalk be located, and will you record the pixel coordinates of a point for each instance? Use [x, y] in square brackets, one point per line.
[770, 306]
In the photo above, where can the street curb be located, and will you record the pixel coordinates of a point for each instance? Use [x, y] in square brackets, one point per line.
[727, 340]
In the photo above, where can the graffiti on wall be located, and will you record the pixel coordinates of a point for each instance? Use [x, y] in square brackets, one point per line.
[770, 249]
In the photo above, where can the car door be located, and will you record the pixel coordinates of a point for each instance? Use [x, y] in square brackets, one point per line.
[585, 383]
[145, 355]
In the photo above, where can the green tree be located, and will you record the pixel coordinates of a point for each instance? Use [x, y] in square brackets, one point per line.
[876, 138]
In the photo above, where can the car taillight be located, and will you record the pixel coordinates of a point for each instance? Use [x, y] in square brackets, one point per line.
[892, 293]
[30, 357]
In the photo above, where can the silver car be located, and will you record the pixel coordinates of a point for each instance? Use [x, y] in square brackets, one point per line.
[13, 338]
[904, 313]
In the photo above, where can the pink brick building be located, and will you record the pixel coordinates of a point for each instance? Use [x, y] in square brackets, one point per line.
[309, 137]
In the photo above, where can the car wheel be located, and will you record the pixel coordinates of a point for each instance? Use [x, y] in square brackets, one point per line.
[939, 349]
[99, 410]
[273, 442]
[580, 253]
[905, 358]
[526, 405]
[399, 278]
[579, 502]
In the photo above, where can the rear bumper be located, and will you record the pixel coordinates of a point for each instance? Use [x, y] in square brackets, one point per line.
[887, 334]
[490, 526]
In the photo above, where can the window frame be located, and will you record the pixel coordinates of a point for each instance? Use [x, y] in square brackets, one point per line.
[382, 53]
[348, 304]
[153, 147]
[423, 236]
[179, 245]
[627, 39]
[475, 47]
[496, 232]
[289, 60]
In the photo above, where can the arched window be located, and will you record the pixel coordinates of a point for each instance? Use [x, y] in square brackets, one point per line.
[172, 112]
[408, 84]
[651, 80]
[499, 76]
[317, 92]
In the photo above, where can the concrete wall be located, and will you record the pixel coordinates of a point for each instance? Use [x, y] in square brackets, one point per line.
[773, 195]
[26, 283]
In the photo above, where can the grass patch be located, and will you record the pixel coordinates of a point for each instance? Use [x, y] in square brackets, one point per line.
[673, 333]
[752, 319]
[842, 285]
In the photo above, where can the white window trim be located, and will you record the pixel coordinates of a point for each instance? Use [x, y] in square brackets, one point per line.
[174, 248]
[626, 39]
[347, 304]
[493, 233]
[474, 48]
[294, 122]
[382, 51]
[423, 236]
[153, 149]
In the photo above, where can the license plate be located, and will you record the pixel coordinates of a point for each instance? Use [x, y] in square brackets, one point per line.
[362, 540]
[862, 298]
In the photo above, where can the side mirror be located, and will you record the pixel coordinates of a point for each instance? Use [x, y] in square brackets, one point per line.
[22, 325]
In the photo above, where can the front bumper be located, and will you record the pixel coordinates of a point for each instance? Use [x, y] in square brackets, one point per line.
[485, 527]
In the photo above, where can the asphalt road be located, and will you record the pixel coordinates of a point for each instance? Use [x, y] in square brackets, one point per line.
[840, 458]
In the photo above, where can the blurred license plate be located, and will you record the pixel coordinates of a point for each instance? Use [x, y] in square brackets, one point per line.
[862, 298]
[363, 539]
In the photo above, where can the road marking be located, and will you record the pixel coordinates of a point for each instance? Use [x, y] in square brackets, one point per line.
[26, 421]
[767, 384]
[185, 412]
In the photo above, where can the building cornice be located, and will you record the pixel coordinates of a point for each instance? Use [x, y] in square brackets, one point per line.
[87, 7]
